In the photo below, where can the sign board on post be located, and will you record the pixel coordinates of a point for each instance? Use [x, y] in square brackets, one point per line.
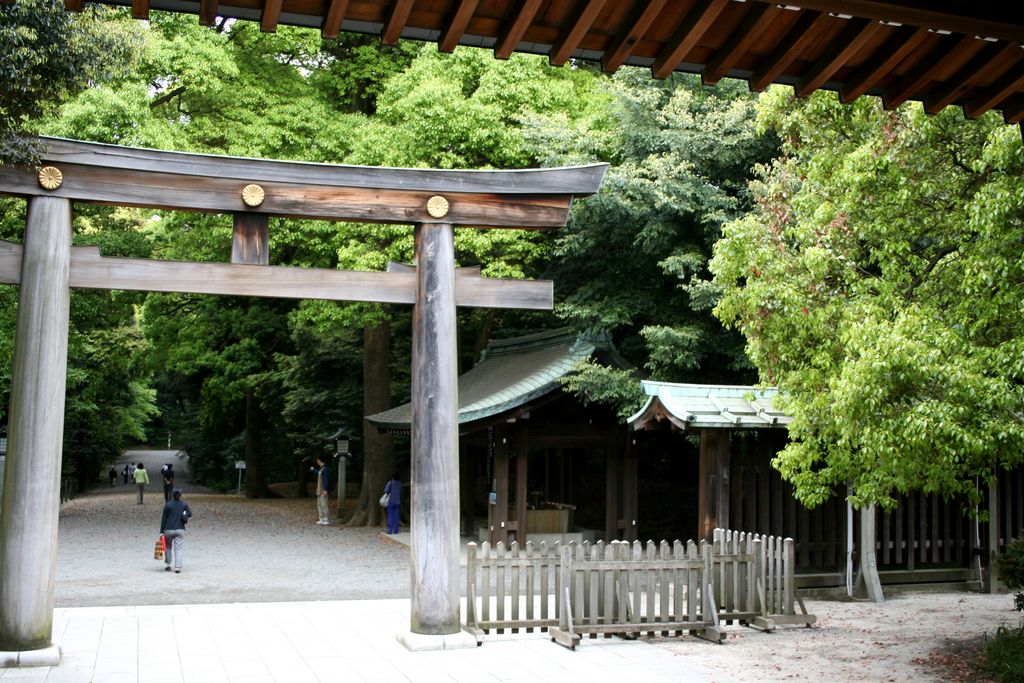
[239, 465]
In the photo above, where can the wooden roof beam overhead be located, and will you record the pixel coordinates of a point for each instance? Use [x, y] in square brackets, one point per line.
[790, 47]
[625, 42]
[457, 24]
[702, 15]
[902, 43]
[577, 29]
[70, 5]
[757, 19]
[397, 17]
[936, 16]
[208, 12]
[270, 15]
[1014, 113]
[140, 9]
[962, 80]
[925, 68]
[1005, 87]
[332, 19]
[516, 29]
[859, 32]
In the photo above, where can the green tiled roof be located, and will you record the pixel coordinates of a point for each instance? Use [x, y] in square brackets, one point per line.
[513, 372]
[703, 406]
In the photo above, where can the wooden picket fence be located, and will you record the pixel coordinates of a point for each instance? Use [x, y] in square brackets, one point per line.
[632, 589]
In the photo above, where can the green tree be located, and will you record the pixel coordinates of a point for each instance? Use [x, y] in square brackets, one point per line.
[633, 260]
[878, 283]
[48, 54]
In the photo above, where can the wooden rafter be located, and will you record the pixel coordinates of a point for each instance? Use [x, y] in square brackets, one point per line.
[140, 9]
[859, 32]
[624, 43]
[758, 17]
[333, 18]
[1014, 112]
[799, 36]
[270, 15]
[700, 18]
[930, 14]
[398, 15]
[925, 69]
[457, 24]
[576, 30]
[962, 80]
[1005, 87]
[73, 5]
[513, 33]
[905, 40]
[208, 12]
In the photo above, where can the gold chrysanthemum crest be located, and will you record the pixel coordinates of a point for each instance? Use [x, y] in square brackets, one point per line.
[437, 206]
[50, 177]
[253, 195]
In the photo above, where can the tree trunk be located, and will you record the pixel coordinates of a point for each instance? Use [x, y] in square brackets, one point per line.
[378, 449]
[255, 486]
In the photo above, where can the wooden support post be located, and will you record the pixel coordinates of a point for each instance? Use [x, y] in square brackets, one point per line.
[522, 468]
[31, 502]
[434, 518]
[250, 243]
[992, 572]
[499, 511]
[613, 459]
[723, 458]
[866, 551]
[630, 476]
[467, 489]
[713, 495]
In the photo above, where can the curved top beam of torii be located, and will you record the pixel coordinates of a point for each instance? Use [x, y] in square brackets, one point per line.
[127, 176]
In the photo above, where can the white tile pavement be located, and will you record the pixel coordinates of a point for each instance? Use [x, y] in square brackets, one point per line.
[351, 641]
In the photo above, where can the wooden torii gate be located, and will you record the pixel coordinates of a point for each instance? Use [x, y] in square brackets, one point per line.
[47, 266]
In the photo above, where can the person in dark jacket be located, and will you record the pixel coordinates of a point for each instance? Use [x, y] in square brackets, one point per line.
[394, 490]
[168, 473]
[172, 525]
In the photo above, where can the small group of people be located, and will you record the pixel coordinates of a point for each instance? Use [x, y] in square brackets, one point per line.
[393, 489]
[141, 478]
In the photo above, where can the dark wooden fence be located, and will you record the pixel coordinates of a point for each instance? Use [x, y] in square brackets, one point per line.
[926, 538]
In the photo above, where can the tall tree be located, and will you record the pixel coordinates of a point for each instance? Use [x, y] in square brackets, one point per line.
[47, 55]
[633, 260]
[878, 283]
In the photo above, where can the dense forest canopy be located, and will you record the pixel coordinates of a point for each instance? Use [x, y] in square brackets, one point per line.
[868, 266]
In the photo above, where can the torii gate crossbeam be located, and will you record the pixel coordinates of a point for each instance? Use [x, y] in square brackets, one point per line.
[47, 267]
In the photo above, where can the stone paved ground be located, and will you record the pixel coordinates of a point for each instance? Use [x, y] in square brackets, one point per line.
[236, 550]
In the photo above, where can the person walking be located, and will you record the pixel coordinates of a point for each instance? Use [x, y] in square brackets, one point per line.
[168, 481]
[124, 474]
[323, 491]
[394, 490]
[172, 525]
[112, 475]
[141, 480]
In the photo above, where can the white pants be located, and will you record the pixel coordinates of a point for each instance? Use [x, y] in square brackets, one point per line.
[321, 507]
[175, 540]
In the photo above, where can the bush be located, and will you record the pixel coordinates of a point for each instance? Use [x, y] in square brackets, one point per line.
[1011, 570]
[1004, 655]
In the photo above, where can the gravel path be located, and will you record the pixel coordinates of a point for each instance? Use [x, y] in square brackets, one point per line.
[236, 550]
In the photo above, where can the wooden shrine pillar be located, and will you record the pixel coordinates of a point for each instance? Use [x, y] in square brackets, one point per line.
[630, 477]
[497, 522]
[467, 489]
[713, 496]
[434, 510]
[992, 545]
[31, 501]
[612, 482]
[522, 469]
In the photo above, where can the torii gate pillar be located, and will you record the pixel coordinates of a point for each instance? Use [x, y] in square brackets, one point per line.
[31, 501]
[434, 490]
